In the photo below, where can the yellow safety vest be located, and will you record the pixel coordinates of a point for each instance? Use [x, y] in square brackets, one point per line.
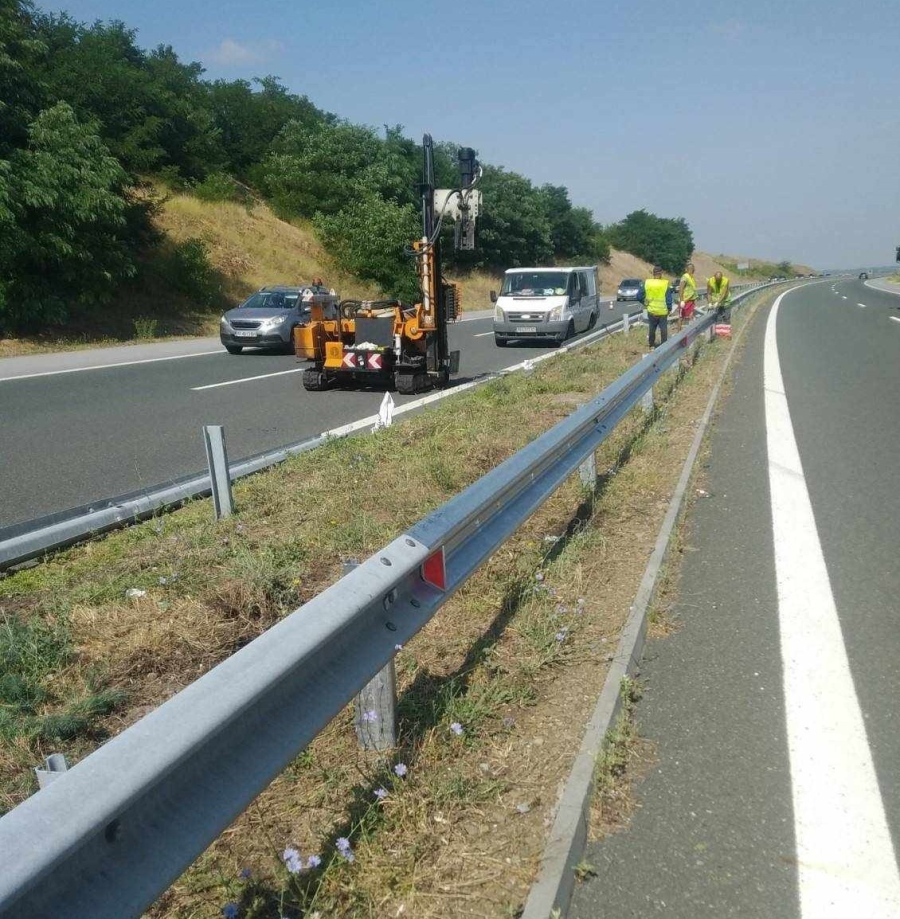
[690, 287]
[655, 296]
[720, 290]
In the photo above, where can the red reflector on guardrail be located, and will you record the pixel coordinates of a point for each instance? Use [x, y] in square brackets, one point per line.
[434, 571]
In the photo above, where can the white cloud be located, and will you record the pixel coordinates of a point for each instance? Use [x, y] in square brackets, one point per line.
[231, 53]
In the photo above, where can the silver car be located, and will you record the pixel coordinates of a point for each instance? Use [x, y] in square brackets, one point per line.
[267, 319]
[629, 289]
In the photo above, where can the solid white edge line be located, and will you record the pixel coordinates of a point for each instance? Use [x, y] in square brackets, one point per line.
[863, 305]
[148, 360]
[893, 319]
[845, 856]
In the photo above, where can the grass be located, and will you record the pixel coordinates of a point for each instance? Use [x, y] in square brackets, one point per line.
[508, 659]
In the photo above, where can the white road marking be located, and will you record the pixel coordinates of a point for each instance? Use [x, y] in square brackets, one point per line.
[843, 298]
[863, 305]
[893, 319]
[262, 376]
[483, 334]
[148, 360]
[846, 860]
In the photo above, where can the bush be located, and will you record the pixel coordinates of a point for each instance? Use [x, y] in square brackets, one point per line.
[219, 187]
[185, 266]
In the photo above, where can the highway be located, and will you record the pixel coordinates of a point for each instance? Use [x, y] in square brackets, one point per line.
[82, 426]
[773, 788]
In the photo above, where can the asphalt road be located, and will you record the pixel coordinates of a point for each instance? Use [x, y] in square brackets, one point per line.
[80, 427]
[728, 816]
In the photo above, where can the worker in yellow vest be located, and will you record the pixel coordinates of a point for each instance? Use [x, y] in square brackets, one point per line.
[687, 295]
[719, 293]
[657, 299]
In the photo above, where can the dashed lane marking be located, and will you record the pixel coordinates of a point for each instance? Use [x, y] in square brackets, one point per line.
[262, 376]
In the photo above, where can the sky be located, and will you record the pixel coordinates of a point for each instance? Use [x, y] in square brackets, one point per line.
[772, 127]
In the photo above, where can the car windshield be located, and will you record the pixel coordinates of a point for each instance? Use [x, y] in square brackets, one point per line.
[535, 283]
[630, 282]
[271, 300]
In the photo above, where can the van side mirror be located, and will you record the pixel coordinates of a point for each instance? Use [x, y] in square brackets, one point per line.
[493, 296]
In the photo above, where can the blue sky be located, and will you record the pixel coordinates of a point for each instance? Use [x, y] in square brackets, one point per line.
[773, 128]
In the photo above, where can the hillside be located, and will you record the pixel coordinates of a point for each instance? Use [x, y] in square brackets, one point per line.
[246, 247]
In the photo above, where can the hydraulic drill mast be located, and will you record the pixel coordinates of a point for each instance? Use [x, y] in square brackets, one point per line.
[386, 343]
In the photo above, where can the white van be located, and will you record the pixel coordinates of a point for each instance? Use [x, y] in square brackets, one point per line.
[551, 303]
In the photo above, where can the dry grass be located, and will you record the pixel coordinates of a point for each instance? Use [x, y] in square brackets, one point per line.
[516, 657]
[248, 247]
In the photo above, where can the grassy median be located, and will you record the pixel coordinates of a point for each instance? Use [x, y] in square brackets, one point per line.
[493, 692]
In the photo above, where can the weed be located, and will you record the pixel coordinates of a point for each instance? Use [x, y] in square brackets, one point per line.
[145, 328]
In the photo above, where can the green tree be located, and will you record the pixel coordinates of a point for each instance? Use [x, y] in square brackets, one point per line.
[62, 202]
[324, 168]
[667, 242]
[248, 116]
[515, 229]
[21, 93]
[371, 238]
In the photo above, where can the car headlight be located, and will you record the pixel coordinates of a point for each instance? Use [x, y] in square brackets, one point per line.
[272, 322]
[498, 314]
[556, 314]
[223, 321]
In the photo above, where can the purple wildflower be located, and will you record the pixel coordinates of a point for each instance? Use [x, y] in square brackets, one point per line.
[400, 769]
[370, 716]
[246, 874]
[562, 634]
[292, 860]
[398, 647]
[381, 793]
[539, 576]
[457, 728]
[343, 846]
[230, 910]
[313, 861]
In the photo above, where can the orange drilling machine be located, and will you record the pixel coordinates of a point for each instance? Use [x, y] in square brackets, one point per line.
[386, 343]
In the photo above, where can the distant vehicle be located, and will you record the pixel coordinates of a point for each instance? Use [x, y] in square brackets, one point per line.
[864, 275]
[629, 289]
[267, 319]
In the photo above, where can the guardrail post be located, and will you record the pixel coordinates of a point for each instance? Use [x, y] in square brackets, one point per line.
[217, 458]
[647, 402]
[588, 471]
[625, 322]
[375, 706]
[55, 764]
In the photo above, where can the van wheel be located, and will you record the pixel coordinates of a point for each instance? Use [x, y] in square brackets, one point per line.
[593, 321]
[569, 333]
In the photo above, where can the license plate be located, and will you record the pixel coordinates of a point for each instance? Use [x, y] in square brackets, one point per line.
[524, 329]
[242, 334]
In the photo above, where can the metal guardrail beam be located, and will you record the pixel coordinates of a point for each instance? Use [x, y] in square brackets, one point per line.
[33, 539]
[110, 834]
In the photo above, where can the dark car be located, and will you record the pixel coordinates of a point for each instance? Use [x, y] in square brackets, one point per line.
[630, 289]
[267, 319]
[864, 275]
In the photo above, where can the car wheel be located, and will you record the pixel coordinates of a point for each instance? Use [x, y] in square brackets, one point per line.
[500, 342]
[234, 349]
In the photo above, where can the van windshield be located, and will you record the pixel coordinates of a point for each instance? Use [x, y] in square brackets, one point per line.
[534, 283]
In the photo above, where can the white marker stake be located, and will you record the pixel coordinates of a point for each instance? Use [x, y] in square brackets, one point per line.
[845, 856]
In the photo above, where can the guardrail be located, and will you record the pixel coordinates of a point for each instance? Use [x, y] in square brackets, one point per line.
[32, 539]
[105, 838]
